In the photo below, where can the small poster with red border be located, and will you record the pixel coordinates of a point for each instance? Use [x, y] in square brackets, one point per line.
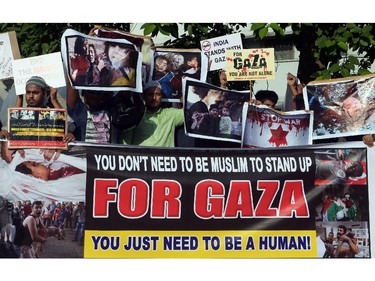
[37, 127]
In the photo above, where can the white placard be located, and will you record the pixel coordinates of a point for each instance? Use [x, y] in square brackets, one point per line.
[214, 49]
[8, 52]
[49, 67]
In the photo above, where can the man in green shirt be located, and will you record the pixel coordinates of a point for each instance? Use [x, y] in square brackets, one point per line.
[158, 125]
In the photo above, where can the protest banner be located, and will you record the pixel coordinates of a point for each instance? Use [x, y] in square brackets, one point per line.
[37, 128]
[155, 203]
[103, 64]
[9, 51]
[144, 202]
[262, 123]
[250, 64]
[172, 65]
[342, 107]
[211, 112]
[214, 49]
[49, 67]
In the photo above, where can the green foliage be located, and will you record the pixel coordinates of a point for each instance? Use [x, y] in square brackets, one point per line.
[189, 35]
[329, 47]
[35, 39]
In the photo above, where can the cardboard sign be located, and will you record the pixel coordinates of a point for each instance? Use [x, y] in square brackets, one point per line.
[49, 67]
[250, 64]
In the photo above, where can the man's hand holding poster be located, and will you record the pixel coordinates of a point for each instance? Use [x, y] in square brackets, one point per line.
[342, 107]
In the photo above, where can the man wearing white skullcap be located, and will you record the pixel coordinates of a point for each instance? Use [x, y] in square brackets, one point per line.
[37, 91]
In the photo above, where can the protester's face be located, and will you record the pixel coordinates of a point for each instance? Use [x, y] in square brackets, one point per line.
[118, 56]
[38, 170]
[269, 103]
[93, 100]
[152, 98]
[161, 65]
[34, 96]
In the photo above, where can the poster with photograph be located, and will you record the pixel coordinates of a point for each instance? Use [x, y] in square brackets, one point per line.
[250, 64]
[341, 208]
[138, 202]
[211, 112]
[172, 65]
[37, 127]
[43, 174]
[143, 44]
[265, 127]
[50, 185]
[342, 107]
[100, 63]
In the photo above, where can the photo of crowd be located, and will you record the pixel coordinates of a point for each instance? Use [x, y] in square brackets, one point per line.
[41, 229]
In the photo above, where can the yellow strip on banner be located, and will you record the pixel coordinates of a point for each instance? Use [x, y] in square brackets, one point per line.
[200, 244]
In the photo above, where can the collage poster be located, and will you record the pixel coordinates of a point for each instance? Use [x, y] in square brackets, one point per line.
[37, 128]
[139, 202]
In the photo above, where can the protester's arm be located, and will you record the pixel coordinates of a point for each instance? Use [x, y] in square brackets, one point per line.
[54, 100]
[292, 83]
[7, 154]
[4, 134]
[72, 96]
